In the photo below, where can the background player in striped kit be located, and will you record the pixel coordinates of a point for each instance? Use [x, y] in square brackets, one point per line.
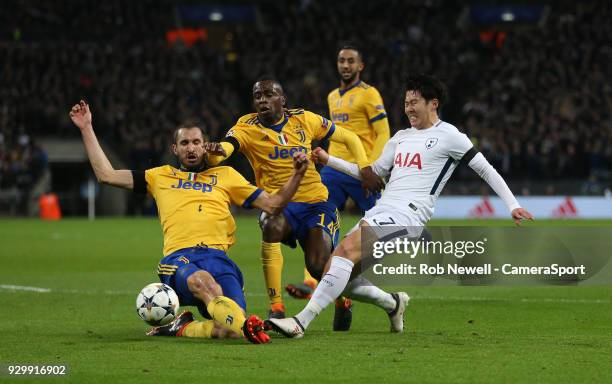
[268, 138]
[358, 107]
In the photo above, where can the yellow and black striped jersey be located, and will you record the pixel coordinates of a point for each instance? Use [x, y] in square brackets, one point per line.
[194, 208]
[355, 108]
[270, 150]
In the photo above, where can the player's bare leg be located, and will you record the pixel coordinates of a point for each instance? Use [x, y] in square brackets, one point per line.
[274, 229]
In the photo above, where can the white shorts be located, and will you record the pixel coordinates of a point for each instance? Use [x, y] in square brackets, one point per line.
[389, 224]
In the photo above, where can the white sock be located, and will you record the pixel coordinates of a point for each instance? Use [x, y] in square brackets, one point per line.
[361, 289]
[330, 287]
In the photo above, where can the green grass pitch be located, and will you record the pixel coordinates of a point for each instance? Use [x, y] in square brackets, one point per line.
[92, 272]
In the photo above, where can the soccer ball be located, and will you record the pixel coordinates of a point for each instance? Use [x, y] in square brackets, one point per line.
[157, 304]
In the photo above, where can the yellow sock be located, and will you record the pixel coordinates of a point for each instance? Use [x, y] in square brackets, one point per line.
[227, 313]
[309, 280]
[272, 262]
[199, 329]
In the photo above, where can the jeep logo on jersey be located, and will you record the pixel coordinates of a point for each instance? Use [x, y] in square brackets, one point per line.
[405, 160]
[197, 186]
[286, 153]
[340, 117]
[430, 143]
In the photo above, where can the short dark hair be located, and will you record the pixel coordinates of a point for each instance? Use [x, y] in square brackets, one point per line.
[352, 47]
[191, 123]
[428, 86]
[270, 78]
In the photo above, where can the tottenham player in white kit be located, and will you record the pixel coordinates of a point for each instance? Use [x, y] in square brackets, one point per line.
[418, 161]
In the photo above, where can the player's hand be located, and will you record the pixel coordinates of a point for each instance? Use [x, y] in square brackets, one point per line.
[519, 214]
[300, 163]
[215, 149]
[370, 181]
[319, 156]
[81, 115]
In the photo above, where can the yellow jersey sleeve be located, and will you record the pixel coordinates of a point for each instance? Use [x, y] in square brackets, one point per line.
[240, 191]
[373, 105]
[319, 127]
[151, 178]
[239, 135]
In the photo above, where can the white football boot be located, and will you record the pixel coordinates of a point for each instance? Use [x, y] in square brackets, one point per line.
[396, 317]
[288, 327]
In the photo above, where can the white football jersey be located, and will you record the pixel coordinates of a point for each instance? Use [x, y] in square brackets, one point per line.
[419, 162]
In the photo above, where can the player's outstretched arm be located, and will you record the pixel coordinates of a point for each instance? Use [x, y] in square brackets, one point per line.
[275, 203]
[486, 171]
[105, 173]
[320, 156]
[217, 152]
[352, 142]
[370, 180]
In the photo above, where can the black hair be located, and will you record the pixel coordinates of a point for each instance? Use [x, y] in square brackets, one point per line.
[191, 123]
[428, 86]
[270, 78]
[352, 47]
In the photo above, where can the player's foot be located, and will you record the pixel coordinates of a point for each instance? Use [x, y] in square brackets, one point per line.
[343, 315]
[302, 290]
[396, 317]
[253, 330]
[277, 311]
[289, 327]
[175, 328]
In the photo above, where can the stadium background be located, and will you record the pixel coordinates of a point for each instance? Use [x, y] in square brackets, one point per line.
[529, 82]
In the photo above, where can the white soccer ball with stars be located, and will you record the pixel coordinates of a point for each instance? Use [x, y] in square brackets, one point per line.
[157, 304]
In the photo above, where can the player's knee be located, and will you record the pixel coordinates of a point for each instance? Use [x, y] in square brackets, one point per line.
[272, 228]
[222, 333]
[202, 284]
[349, 249]
[315, 270]
[315, 263]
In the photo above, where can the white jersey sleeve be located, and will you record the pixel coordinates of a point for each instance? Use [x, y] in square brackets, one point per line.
[383, 165]
[485, 170]
[459, 145]
[344, 166]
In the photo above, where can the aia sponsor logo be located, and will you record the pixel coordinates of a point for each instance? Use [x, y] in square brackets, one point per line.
[405, 160]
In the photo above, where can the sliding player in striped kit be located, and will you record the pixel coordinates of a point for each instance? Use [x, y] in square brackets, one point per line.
[193, 201]
[418, 161]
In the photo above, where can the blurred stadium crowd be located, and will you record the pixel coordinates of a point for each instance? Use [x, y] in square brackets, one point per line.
[536, 99]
